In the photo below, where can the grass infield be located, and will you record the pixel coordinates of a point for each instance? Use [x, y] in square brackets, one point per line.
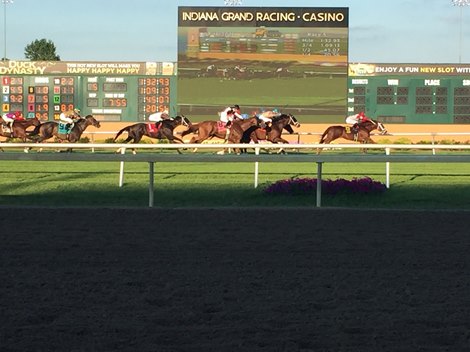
[84, 184]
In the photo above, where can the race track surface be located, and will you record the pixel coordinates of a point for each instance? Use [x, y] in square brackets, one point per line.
[234, 280]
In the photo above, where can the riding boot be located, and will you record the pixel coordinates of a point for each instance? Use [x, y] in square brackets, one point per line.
[355, 129]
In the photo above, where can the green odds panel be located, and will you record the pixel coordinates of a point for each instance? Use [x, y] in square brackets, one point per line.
[420, 94]
[113, 98]
[108, 91]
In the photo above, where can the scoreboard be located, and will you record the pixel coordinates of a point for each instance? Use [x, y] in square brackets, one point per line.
[263, 33]
[108, 91]
[303, 43]
[411, 93]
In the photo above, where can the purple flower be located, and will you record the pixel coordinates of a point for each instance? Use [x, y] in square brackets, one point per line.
[296, 186]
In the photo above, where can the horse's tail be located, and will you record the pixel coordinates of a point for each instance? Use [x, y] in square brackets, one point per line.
[125, 129]
[193, 128]
[322, 139]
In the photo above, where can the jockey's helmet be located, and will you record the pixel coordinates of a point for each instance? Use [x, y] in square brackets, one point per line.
[17, 113]
[236, 107]
[76, 110]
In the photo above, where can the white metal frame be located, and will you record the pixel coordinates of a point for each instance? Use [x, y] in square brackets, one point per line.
[152, 158]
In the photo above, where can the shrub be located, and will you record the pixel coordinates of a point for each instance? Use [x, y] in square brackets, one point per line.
[84, 140]
[403, 141]
[305, 186]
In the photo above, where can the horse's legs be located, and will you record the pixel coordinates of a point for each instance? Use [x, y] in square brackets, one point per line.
[280, 140]
[367, 140]
[327, 140]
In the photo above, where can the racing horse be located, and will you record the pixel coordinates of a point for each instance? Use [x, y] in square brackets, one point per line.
[136, 131]
[237, 130]
[50, 129]
[273, 133]
[19, 129]
[362, 135]
[210, 128]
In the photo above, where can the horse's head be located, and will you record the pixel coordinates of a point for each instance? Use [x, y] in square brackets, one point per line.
[381, 128]
[182, 120]
[92, 121]
[287, 119]
[293, 121]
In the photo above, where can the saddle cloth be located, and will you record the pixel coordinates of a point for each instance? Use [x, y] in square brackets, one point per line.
[63, 128]
[151, 128]
[221, 126]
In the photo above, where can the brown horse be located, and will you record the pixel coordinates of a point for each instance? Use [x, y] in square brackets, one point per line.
[50, 129]
[362, 135]
[19, 129]
[136, 131]
[273, 133]
[210, 129]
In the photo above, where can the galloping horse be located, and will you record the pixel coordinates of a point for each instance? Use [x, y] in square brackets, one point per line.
[211, 128]
[51, 129]
[137, 131]
[20, 129]
[362, 135]
[273, 133]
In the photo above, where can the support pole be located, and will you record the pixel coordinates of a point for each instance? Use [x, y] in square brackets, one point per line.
[121, 169]
[387, 169]
[151, 179]
[256, 168]
[319, 174]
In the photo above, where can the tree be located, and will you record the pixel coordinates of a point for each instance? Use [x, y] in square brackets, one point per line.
[41, 50]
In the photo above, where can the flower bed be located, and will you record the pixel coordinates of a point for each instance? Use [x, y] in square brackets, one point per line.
[298, 186]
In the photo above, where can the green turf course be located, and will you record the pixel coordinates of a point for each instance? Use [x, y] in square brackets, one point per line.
[321, 99]
[413, 186]
[267, 92]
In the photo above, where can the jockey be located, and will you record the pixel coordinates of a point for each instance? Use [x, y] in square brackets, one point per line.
[211, 68]
[11, 117]
[267, 116]
[356, 120]
[228, 115]
[158, 117]
[69, 116]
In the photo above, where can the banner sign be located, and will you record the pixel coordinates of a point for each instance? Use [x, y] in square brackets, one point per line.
[263, 16]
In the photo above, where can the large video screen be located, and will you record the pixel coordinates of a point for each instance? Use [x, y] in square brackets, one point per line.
[292, 59]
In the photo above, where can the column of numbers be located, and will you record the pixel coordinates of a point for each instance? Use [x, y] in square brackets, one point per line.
[12, 94]
[147, 97]
[64, 90]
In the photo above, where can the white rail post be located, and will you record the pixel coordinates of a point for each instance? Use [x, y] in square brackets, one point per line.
[92, 141]
[387, 169]
[319, 171]
[151, 179]
[256, 168]
[121, 169]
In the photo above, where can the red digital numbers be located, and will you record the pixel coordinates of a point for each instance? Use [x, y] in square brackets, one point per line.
[114, 102]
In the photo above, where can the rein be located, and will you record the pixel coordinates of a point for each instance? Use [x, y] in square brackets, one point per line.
[291, 120]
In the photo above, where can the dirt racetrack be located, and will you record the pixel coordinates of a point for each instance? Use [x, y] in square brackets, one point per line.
[234, 280]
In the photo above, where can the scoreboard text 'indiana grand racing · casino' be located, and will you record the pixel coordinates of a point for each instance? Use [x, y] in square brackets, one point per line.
[110, 91]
